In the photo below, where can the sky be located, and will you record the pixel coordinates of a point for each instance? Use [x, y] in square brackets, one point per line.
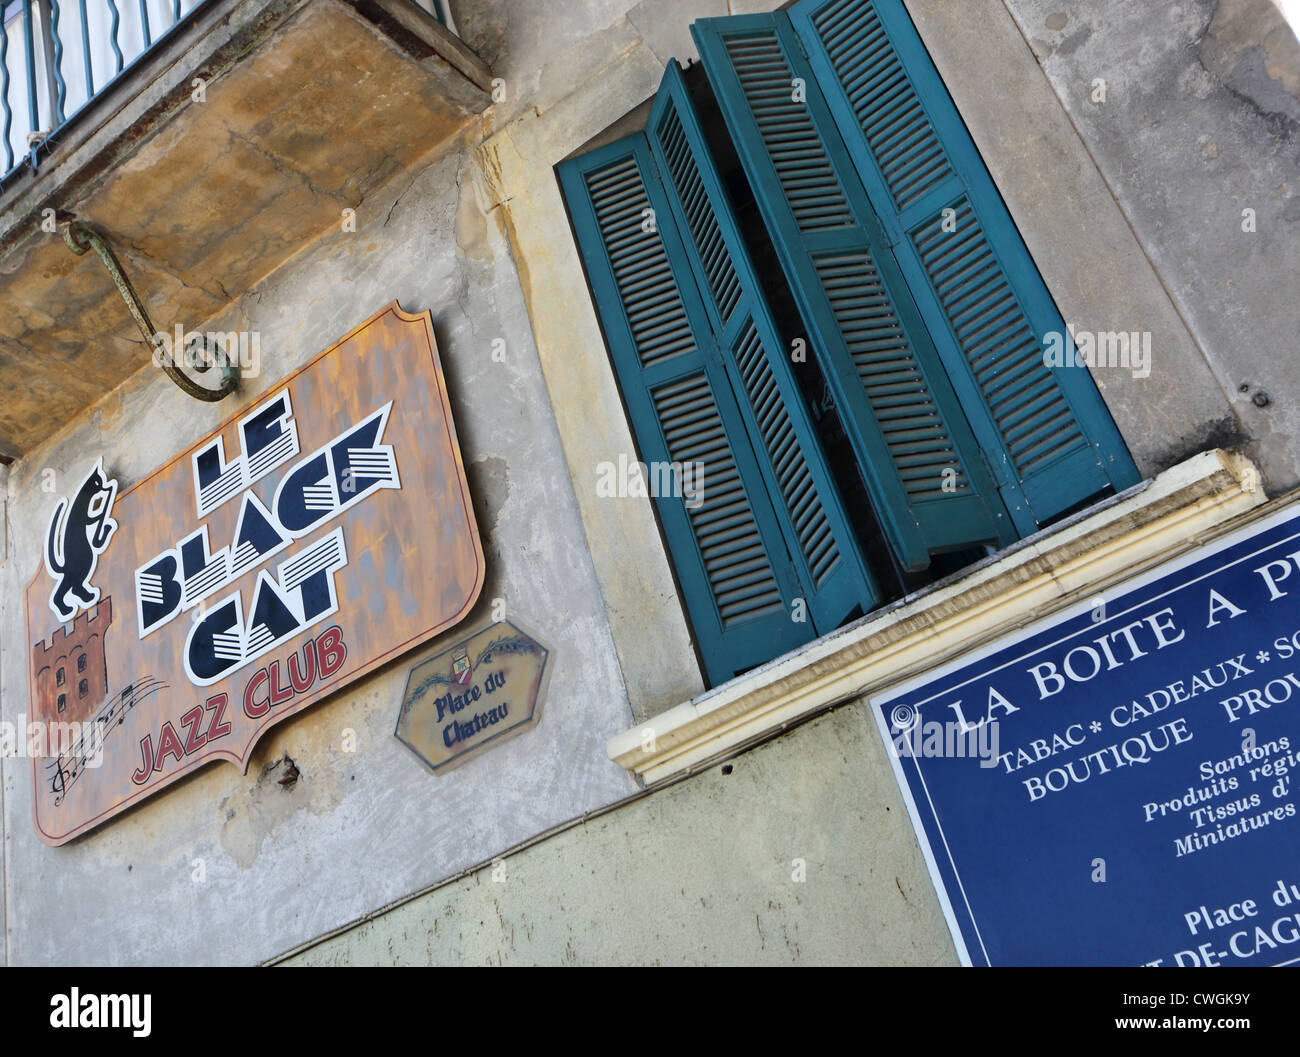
[1291, 12]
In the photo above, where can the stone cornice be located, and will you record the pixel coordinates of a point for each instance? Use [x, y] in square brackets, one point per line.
[1177, 511]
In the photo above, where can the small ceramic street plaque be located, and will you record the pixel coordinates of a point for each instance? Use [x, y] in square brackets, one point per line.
[473, 694]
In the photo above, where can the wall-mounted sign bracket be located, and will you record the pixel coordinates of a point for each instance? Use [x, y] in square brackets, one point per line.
[80, 237]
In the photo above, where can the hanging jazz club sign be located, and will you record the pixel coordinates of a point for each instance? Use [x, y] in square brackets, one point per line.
[1118, 785]
[317, 535]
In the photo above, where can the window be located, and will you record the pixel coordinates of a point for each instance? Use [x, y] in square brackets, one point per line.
[81, 663]
[916, 298]
[83, 688]
[63, 702]
[60, 677]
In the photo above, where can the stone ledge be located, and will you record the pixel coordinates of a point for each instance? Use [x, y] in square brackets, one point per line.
[1158, 520]
[308, 108]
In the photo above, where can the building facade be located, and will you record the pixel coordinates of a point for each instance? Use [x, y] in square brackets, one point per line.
[785, 354]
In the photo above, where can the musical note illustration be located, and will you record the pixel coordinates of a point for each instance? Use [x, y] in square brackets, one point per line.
[67, 767]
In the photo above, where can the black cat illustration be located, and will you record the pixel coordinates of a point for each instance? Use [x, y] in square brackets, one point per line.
[76, 540]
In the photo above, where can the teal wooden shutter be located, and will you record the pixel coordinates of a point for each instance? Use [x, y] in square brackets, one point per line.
[833, 573]
[726, 543]
[1051, 440]
[921, 463]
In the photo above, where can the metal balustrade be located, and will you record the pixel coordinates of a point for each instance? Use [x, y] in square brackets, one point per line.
[56, 56]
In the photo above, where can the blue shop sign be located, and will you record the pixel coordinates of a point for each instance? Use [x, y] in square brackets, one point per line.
[1116, 785]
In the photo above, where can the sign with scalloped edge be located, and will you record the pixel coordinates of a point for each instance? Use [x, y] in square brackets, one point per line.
[317, 534]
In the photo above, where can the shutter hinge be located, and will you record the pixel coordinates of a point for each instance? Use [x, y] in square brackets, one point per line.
[891, 234]
[996, 468]
[786, 28]
[789, 578]
[650, 167]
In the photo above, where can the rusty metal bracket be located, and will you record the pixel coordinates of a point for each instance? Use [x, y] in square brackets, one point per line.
[81, 237]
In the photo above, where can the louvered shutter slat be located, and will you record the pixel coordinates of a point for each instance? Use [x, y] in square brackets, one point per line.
[833, 575]
[726, 544]
[987, 308]
[924, 473]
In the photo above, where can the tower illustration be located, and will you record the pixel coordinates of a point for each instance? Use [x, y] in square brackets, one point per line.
[71, 674]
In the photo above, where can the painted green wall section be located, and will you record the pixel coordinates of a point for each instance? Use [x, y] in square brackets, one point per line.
[698, 873]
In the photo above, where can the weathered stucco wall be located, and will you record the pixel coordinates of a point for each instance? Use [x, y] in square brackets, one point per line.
[1132, 210]
[1200, 121]
[547, 113]
[701, 873]
[280, 865]
[1082, 242]
[584, 895]
[621, 49]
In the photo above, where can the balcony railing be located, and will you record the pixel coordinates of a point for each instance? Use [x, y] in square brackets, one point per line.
[310, 108]
[56, 56]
